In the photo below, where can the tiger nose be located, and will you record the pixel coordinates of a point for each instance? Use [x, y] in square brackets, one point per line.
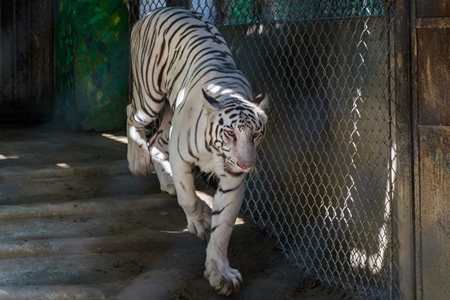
[244, 167]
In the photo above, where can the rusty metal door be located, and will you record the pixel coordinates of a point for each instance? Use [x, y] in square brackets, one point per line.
[26, 59]
[432, 99]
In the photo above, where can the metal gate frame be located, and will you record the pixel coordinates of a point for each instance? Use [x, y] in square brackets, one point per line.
[406, 138]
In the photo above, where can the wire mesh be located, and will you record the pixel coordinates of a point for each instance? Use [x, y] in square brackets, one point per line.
[325, 187]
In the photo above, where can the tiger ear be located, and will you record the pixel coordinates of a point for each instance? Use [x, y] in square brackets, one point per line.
[214, 103]
[262, 100]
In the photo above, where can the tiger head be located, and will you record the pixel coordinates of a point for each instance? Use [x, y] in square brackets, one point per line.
[236, 128]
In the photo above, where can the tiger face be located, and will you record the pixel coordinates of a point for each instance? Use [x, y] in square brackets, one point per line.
[236, 130]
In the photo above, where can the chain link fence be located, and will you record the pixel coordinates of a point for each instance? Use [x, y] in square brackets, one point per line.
[324, 189]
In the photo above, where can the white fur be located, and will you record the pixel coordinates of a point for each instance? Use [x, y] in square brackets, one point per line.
[163, 171]
[183, 139]
[138, 154]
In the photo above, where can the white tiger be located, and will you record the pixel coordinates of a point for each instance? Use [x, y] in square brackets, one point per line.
[181, 63]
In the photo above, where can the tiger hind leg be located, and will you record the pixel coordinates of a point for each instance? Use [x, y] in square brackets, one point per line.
[138, 153]
[160, 153]
[163, 171]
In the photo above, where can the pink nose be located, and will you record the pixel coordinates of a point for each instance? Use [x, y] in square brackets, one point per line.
[243, 167]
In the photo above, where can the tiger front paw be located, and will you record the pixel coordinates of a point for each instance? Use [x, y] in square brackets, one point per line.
[201, 224]
[168, 188]
[224, 280]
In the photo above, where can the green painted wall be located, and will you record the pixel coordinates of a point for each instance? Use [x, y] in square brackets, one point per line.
[92, 63]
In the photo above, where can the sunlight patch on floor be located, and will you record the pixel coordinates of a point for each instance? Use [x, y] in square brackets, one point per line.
[208, 198]
[3, 157]
[175, 231]
[118, 138]
[205, 197]
[63, 165]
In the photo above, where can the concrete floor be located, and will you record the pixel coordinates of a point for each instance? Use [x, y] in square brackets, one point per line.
[75, 224]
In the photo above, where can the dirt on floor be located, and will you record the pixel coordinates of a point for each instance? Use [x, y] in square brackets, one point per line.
[77, 225]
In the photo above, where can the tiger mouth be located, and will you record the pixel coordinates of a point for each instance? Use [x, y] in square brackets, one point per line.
[233, 174]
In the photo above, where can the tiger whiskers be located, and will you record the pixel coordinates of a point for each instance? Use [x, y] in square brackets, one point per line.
[255, 170]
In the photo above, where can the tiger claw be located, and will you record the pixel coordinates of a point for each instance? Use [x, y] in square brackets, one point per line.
[226, 281]
[200, 229]
[202, 225]
[169, 189]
